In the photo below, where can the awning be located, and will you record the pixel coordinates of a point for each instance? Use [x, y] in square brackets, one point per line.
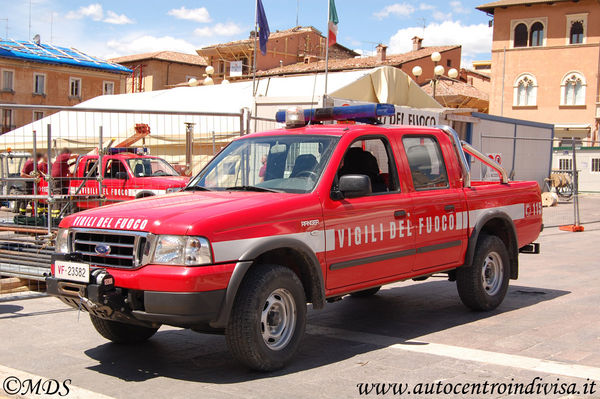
[572, 130]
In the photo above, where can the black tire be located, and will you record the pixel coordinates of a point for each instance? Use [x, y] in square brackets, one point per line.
[121, 333]
[365, 293]
[491, 259]
[256, 297]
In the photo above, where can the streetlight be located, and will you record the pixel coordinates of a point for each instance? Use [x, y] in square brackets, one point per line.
[438, 71]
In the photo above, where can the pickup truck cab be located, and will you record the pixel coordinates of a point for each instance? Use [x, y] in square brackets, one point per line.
[283, 218]
[125, 176]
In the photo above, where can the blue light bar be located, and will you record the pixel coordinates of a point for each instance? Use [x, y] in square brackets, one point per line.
[367, 113]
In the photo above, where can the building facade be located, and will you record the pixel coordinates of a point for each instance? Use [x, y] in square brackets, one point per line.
[42, 74]
[161, 70]
[283, 48]
[546, 63]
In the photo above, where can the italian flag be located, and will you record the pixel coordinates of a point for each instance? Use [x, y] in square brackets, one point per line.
[333, 23]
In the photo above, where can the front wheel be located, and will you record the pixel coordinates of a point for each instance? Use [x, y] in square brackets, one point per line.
[121, 333]
[268, 318]
[484, 284]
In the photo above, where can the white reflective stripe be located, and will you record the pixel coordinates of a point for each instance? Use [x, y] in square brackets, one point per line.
[330, 240]
[234, 249]
[516, 211]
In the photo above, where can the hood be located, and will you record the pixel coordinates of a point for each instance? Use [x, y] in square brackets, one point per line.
[207, 213]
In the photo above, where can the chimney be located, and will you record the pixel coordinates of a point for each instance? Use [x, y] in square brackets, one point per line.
[381, 50]
[417, 43]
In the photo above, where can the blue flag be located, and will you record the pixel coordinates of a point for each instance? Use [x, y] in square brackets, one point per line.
[263, 27]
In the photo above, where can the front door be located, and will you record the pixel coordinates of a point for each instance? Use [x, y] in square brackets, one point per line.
[440, 216]
[372, 235]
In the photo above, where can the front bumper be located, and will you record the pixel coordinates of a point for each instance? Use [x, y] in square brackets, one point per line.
[149, 308]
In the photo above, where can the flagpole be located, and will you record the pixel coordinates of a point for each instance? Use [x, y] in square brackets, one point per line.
[327, 50]
[255, 40]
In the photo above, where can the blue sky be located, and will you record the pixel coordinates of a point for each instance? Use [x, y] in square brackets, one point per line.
[113, 28]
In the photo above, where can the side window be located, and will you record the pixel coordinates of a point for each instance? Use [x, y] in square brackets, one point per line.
[371, 157]
[426, 162]
[113, 167]
[89, 166]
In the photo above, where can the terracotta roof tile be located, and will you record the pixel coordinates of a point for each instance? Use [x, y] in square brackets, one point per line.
[447, 87]
[356, 63]
[489, 7]
[172, 56]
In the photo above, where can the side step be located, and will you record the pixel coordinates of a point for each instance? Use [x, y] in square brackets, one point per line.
[533, 248]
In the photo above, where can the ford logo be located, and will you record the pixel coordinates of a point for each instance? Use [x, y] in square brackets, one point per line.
[102, 249]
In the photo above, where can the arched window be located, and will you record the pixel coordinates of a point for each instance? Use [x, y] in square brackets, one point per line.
[573, 89]
[520, 39]
[536, 37]
[525, 91]
[576, 32]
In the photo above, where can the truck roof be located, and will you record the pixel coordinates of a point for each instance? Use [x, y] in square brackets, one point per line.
[341, 129]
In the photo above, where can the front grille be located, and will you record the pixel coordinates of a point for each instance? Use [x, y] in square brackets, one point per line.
[125, 247]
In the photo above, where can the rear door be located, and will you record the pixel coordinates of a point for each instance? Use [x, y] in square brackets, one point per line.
[369, 237]
[115, 180]
[440, 208]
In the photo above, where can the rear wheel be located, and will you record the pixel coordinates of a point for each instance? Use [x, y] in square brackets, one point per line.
[483, 285]
[268, 318]
[121, 333]
[365, 293]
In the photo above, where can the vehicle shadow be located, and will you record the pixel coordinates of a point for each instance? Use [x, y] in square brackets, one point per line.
[399, 313]
[10, 308]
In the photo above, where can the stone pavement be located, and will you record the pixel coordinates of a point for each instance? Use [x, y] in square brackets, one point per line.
[411, 333]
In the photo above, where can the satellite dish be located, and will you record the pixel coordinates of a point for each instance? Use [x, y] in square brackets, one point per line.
[37, 39]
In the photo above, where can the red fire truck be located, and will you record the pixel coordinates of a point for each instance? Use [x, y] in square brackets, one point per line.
[127, 173]
[306, 214]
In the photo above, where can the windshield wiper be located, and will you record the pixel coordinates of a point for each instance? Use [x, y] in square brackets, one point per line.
[252, 188]
[196, 188]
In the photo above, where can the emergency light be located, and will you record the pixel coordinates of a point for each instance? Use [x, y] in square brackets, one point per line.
[367, 113]
[133, 150]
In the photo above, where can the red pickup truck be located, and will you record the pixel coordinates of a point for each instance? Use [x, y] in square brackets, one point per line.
[126, 176]
[301, 215]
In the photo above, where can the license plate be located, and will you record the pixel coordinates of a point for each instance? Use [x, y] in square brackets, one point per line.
[72, 271]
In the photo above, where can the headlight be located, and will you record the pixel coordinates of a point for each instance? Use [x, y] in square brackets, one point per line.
[62, 241]
[182, 250]
[173, 189]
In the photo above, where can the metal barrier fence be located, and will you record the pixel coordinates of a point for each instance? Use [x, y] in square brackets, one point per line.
[78, 158]
[564, 205]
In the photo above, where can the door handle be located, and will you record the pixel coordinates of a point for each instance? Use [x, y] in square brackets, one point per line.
[449, 208]
[401, 214]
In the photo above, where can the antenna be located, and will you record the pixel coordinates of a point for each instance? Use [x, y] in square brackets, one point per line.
[297, 11]
[29, 34]
[424, 23]
[6, 21]
[51, 26]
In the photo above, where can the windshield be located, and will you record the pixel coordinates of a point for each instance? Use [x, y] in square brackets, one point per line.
[291, 164]
[147, 167]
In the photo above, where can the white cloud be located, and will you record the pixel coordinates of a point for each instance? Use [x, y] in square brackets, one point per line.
[93, 10]
[146, 44]
[398, 9]
[441, 16]
[96, 12]
[458, 8]
[475, 39]
[194, 14]
[426, 7]
[117, 19]
[226, 29]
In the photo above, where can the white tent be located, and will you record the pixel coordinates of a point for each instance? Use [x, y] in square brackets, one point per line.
[118, 114]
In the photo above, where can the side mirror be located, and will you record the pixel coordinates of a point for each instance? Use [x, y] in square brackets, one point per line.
[121, 176]
[352, 186]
